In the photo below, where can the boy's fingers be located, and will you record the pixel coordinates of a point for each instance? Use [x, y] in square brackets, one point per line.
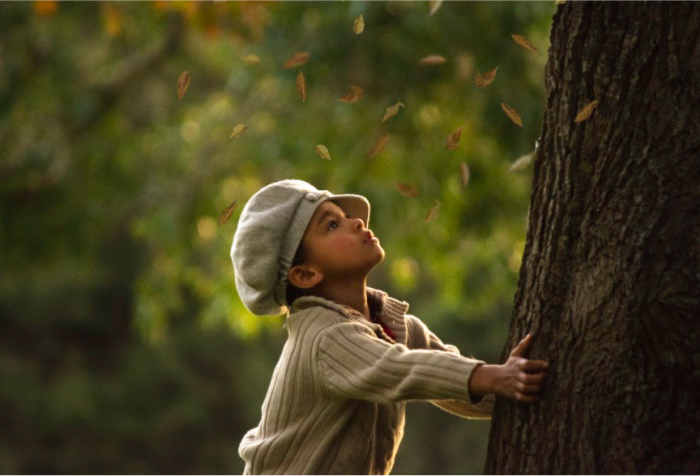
[525, 398]
[533, 379]
[534, 365]
[522, 346]
[530, 389]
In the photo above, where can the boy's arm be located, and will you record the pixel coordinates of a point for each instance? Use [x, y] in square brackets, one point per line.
[466, 409]
[518, 378]
[351, 362]
[480, 405]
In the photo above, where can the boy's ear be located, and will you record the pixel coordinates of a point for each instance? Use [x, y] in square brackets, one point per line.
[304, 277]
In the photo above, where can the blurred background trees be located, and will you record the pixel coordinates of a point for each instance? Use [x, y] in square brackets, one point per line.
[123, 345]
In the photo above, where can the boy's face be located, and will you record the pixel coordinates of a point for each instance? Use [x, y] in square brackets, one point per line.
[338, 246]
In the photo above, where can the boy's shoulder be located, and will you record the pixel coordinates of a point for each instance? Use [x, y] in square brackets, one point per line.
[323, 313]
[310, 316]
[318, 307]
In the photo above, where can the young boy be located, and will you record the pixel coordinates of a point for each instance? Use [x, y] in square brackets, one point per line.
[336, 402]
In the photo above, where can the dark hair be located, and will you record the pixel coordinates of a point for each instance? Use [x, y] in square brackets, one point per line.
[294, 292]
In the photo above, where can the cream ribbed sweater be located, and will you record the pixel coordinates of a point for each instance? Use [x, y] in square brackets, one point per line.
[336, 402]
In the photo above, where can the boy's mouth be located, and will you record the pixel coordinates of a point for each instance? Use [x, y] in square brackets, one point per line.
[368, 237]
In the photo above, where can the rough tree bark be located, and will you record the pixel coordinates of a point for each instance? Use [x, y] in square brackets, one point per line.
[610, 281]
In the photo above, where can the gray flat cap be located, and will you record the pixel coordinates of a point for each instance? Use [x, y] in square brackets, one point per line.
[269, 231]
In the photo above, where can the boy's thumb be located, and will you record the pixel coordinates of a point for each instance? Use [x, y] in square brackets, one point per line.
[520, 349]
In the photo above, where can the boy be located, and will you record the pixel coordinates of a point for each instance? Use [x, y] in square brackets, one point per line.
[336, 402]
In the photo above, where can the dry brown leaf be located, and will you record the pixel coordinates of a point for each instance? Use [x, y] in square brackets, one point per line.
[354, 95]
[183, 82]
[432, 60]
[434, 5]
[485, 79]
[45, 8]
[322, 152]
[113, 18]
[586, 112]
[379, 145]
[359, 25]
[297, 59]
[524, 42]
[301, 85]
[432, 213]
[464, 173]
[251, 59]
[391, 111]
[226, 214]
[407, 190]
[559, 2]
[238, 130]
[453, 139]
[521, 164]
[512, 114]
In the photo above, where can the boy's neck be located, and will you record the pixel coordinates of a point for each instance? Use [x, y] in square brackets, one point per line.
[352, 294]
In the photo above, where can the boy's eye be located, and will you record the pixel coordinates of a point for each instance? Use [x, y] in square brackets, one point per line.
[332, 222]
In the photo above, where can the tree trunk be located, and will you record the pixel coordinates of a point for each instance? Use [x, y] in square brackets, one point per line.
[610, 281]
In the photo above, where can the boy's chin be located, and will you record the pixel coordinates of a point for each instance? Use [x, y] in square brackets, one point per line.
[370, 265]
[382, 256]
[379, 258]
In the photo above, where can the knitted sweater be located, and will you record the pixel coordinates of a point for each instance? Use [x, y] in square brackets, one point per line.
[336, 402]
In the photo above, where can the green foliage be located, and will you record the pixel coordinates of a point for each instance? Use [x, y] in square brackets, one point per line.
[125, 347]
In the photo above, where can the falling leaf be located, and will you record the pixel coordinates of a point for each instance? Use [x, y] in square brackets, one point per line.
[485, 79]
[432, 213]
[434, 5]
[112, 18]
[354, 95]
[381, 142]
[211, 29]
[407, 190]
[391, 111]
[586, 112]
[160, 5]
[359, 25]
[226, 214]
[453, 139]
[559, 2]
[301, 86]
[512, 114]
[251, 59]
[432, 60]
[297, 59]
[322, 152]
[524, 42]
[521, 164]
[464, 172]
[238, 130]
[45, 8]
[183, 82]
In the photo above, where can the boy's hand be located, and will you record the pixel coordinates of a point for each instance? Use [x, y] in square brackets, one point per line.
[519, 378]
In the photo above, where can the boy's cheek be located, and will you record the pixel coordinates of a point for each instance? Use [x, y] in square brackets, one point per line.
[347, 245]
[345, 241]
[330, 246]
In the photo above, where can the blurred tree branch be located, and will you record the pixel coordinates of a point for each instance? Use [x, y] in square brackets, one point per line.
[108, 92]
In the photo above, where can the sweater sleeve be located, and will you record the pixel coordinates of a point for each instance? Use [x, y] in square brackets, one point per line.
[352, 362]
[474, 407]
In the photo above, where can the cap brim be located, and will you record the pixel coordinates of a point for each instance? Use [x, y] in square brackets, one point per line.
[356, 206]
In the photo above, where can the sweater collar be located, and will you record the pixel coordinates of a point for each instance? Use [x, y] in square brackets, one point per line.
[392, 312]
